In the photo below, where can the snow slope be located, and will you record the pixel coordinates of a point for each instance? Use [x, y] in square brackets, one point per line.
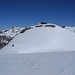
[40, 51]
[7, 35]
[53, 63]
[42, 39]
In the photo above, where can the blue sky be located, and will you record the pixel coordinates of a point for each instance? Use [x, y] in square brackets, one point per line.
[30, 12]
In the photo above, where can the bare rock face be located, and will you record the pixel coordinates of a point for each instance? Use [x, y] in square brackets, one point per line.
[4, 40]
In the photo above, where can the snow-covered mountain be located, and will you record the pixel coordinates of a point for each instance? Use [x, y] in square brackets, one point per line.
[42, 38]
[43, 49]
[13, 31]
[7, 35]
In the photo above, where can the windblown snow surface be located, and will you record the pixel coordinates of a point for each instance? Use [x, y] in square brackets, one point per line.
[40, 51]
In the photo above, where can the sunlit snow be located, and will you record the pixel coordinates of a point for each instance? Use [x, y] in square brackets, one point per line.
[40, 51]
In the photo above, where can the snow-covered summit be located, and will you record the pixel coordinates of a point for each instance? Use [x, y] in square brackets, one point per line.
[12, 31]
[42, 38]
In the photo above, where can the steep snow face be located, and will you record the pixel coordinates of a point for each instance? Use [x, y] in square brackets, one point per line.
[42, 39]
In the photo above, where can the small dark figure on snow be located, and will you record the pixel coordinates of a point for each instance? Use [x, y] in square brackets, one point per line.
[12, 45]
